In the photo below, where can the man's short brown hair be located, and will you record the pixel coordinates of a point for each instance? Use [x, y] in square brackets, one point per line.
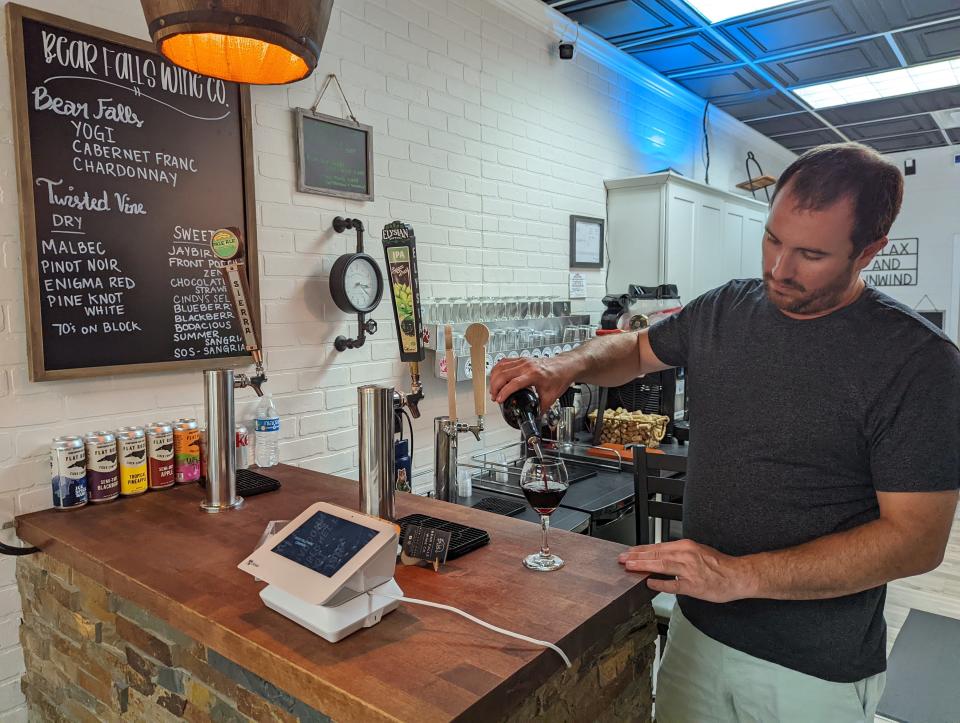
[825, 174]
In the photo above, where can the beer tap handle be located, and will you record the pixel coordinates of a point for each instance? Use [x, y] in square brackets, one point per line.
[477, 336]
[451, 373]
[227, 245]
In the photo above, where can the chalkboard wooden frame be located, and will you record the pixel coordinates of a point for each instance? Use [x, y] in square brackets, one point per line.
[16, 14]
[302, 186]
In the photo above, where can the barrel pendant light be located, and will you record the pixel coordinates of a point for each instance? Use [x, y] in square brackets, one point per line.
[261, 42]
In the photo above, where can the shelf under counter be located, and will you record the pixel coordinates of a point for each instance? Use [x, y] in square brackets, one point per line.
[114, 570]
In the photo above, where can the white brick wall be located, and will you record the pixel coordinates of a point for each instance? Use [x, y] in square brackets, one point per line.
[484, 141]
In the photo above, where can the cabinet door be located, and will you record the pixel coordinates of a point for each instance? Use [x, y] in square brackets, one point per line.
[682, 220]
[708, 247]
[634, 238]
[751, 254]
[734, 222]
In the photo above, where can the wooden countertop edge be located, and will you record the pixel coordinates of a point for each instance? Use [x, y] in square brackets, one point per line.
[307, 687]
[242, 646]
[304, 685]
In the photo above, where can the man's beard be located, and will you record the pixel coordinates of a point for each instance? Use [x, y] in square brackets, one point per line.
[815, 302]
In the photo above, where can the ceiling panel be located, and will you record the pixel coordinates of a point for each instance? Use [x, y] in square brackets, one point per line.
[720, 84]
[893, 107]
[933, 42]
[682, 54]
[806, 139]
[751, 65]
[820, 66]
[796, 27]
[909, 142]
[901, 13]
[893, 127]
[758, 105]
[792, 123]
[627, 20]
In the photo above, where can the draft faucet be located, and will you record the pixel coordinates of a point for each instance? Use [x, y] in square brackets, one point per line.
[448, 429]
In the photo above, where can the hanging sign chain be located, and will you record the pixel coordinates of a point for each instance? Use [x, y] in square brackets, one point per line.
[323, 89]
[929, 301]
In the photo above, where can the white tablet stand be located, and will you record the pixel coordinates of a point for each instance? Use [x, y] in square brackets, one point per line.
[357, 596]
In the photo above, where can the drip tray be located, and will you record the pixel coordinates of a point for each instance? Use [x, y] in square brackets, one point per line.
[463, 539]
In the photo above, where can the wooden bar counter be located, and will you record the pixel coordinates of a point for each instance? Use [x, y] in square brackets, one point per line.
[136, 610]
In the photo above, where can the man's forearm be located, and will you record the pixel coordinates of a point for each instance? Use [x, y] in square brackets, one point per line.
[843, 563]
[607, 361]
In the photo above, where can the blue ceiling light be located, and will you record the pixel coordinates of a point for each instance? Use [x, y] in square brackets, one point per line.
[719, 10]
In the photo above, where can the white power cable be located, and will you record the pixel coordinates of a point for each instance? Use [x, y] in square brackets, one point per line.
[478, 621]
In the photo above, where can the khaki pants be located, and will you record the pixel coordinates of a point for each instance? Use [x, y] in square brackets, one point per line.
[704, 681]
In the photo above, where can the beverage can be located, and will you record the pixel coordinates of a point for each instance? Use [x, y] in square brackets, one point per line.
[132, 450]
[103, 469]
[68, 472]
[186, 451]
[202, 446]
[160, 474]
[243, 447]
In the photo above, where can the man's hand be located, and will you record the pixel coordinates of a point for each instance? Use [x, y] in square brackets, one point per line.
[550, 377]
[696, 570]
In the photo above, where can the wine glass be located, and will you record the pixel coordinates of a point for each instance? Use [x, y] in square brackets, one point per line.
[543, 482]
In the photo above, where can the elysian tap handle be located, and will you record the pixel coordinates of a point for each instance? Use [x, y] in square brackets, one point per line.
[400, 251]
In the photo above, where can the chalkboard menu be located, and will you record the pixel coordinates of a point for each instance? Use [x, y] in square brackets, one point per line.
[335, 156]
[127, 164]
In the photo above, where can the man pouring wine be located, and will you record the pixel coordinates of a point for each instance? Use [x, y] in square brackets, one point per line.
[824, 456]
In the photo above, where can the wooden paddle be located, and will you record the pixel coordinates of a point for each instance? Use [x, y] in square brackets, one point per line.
[477, 336]
[451, 373]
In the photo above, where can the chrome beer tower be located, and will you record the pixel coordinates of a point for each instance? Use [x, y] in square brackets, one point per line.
[220, 472]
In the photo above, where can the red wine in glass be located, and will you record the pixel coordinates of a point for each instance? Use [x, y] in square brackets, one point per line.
[543, 497]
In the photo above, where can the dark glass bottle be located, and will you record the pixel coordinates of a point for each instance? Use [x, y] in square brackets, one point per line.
[522, 411]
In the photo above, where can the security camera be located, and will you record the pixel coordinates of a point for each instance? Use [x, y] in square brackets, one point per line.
[566, 50]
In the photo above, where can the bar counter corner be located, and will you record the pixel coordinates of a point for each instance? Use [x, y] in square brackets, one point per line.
[136, 610]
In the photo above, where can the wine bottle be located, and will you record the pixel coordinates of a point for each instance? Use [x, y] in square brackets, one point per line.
[522, 411]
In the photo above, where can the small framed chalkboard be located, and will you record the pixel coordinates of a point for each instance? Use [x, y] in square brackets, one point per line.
[334, 156]
[586, 242]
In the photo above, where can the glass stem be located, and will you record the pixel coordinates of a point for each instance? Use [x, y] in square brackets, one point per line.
[544, 530]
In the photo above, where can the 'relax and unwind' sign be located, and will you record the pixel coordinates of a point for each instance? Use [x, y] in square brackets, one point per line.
[895, 265]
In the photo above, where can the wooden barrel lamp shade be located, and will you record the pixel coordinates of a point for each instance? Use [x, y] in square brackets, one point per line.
[245, 41]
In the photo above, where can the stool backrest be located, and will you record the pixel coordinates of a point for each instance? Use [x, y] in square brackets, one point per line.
[648, 467]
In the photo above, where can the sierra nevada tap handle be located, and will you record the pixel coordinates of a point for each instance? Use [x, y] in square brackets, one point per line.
[477, 336]
[227, 245]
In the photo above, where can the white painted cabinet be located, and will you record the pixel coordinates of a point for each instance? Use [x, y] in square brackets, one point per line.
[666, 229]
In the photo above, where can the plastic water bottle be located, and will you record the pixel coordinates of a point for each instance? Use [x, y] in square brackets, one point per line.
[266, 445]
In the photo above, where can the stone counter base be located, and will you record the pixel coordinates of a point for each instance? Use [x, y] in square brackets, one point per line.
[92, 656]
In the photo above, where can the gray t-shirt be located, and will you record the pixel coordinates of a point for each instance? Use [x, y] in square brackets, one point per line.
[795, 425]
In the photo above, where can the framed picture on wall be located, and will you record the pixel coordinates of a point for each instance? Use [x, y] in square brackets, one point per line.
[586, 242]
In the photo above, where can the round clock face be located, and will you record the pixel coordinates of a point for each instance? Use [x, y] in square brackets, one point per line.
[356, 283]
[361, 284]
